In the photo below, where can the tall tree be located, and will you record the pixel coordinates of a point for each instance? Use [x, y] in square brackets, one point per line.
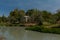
[16, 15]
[21, 14]
[35, 15]
[4, 19]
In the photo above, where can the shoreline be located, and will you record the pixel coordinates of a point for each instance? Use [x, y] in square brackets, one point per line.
[44, 30]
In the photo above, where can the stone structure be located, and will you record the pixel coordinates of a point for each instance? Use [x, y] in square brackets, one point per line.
[26, 18]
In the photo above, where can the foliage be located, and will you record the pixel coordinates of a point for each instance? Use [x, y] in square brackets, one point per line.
[35, 16]
[44, 30]
[16, 16]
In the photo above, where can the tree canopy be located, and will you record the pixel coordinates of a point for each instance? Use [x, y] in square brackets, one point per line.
[35, 16]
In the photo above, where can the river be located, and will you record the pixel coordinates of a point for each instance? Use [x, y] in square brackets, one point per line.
[18, 33]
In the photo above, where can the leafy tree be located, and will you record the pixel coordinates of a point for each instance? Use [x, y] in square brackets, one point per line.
[3, 18]
[16, 15]
[46, 15]
[13, 15]
[35, 15]
[21, 14]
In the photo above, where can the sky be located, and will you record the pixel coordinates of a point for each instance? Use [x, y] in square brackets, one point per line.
[8, 5]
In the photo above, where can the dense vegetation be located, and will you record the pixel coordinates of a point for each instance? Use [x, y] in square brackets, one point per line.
[35, 16]
[55, 30]
[45, 21]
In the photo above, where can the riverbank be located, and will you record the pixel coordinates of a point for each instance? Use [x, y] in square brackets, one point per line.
[9, 24]
[43, 28]
[54, 30]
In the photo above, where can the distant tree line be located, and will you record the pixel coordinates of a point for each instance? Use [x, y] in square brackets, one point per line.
[36, 16]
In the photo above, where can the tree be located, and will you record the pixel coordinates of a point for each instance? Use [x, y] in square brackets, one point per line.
[13, 15]
[16, 15]
[57, 16]
[35, 15]
[46, 15]
[21, 14]
[3, 18]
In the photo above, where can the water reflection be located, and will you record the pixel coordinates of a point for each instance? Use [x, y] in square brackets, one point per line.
[18, 33]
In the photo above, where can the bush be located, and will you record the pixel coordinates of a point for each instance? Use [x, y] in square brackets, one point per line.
[44, 30]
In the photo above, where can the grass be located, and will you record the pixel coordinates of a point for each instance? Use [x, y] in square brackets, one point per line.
[43, 29]
[8, 24]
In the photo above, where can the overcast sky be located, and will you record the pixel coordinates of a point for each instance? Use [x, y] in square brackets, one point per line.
[7, 5]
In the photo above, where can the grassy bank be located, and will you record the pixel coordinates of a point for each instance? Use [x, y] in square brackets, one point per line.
[8, 24]
[44, 30]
